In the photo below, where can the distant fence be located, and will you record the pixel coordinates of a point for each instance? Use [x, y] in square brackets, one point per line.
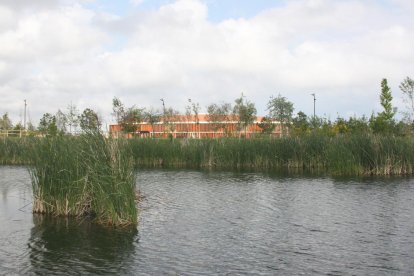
[16, 133]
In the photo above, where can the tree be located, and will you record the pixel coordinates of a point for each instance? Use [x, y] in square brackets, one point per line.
[72, 117]
[386, 99]
[281, 110]
[407, 87]
[5, 122]
[300, 123]
[218, 115]
[267, 125]
[118, 109]
[47, 125]
[18, 126]
[193, 108]
[384, 121]
[245, 112]
[168, 117]
[30, 126]
[89, 120]
[152, 116]
[130, 118]
[61, 121]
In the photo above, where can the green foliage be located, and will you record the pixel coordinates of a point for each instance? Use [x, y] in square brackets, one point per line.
[300, 124]
[152, 116]
[386, 99]
[5, 122]
[384, 121]
[47, 125]
[245, 112]
[89, 120]
[281, 110]
[267, 125]
[219, 113]
[127, 117]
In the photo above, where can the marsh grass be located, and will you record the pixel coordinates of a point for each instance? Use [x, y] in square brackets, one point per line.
[84, 176]
[357, 154]
[353, 154]
[13, 151]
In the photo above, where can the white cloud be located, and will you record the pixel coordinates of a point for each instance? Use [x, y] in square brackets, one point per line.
[339, 49]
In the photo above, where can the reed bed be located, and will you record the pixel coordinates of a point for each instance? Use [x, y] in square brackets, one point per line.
[353, 154]
[84, 176]
[362, 154]
[13, 151]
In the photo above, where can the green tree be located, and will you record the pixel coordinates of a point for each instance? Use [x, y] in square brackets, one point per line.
[130, 118]
[218, 115]
[47, 125]
[384, 121]
[245, 112]
[18, 126]
[5, 122]
[281, 110]
[169, 116]
[300, 124]
[358, 125]
[118, 109]
[407, 87]
[386, 102]
[266, 125]
[89, 120]
[152, 116]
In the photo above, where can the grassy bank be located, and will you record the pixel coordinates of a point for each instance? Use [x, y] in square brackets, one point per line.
[362, 154]
[83, 176]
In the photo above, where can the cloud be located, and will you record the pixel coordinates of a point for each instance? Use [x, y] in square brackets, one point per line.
[66, 53]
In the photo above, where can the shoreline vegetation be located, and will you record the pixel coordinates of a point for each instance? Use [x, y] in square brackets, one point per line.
[86, 176]
[343, 155]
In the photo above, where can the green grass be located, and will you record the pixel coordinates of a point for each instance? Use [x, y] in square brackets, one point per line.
[84, 176]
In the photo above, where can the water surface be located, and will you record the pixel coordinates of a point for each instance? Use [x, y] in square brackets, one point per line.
[195, 223]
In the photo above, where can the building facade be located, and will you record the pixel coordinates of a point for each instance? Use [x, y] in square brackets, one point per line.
[201, 126]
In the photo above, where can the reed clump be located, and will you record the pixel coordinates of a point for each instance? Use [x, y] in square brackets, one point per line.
[84, 176]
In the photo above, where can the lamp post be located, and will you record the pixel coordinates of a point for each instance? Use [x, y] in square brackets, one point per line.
[24, 120]
[314, 102]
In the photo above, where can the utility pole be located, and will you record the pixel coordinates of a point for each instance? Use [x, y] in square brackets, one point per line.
[314, 103]
[24, 120]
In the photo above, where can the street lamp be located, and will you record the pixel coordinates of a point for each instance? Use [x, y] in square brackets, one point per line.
[163, 105]
[314, 102]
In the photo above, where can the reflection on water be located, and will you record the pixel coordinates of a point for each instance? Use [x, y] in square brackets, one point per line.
[58, 244]
[202, 223]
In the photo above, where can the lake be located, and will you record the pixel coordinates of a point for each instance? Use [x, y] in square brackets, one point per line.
[200, 223]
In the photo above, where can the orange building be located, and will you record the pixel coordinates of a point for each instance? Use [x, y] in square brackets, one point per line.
[184, 126]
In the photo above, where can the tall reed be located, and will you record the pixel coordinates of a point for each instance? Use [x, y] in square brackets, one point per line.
[84, 176]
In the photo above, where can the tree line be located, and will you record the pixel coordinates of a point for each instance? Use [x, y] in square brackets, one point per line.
[243, 112]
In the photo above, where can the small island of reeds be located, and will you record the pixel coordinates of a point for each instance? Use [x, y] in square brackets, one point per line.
[86, 176]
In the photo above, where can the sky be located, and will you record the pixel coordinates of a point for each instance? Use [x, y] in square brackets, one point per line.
[54, 53]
